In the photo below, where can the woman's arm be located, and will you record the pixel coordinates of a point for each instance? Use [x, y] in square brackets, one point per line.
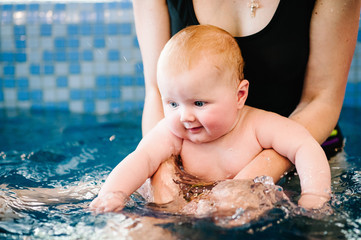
[333, 34]
[153, 31]
[267, 163]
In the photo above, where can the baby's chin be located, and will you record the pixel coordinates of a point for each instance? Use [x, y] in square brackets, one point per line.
[201, 139]
[198, 138]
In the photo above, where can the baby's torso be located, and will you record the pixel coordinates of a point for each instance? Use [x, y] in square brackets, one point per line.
[224, 158]
[208, 162]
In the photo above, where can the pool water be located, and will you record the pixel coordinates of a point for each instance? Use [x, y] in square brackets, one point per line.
[59, 150]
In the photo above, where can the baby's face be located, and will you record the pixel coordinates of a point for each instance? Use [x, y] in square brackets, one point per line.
[200, 104]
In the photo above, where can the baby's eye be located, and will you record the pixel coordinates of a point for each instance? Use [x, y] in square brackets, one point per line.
[173, 104]
[199, 103]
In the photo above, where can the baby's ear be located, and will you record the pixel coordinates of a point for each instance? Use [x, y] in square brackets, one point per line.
[242, 92]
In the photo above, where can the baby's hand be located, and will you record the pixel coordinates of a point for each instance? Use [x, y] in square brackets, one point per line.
[313, 201]
[109, 202]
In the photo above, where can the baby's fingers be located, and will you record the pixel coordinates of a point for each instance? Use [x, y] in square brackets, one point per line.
[97, 205]
[313, 201]
[94, 204]
[109, 202]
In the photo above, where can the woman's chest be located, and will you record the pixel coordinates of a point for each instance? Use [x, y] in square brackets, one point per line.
[240, 18]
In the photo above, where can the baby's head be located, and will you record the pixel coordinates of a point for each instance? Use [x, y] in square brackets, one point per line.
[206, 43]
[200, 80]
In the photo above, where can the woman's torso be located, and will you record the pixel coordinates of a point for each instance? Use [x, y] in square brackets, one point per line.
[275, 56]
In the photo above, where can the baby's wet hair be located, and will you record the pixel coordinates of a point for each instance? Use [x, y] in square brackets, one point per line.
[202, 42]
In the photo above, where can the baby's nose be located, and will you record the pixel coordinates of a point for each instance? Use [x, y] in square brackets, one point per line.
[187, 115]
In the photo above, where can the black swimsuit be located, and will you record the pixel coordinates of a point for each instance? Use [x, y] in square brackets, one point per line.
[275, 57]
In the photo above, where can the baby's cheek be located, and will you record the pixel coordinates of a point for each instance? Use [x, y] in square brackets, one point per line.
[213, 120]
[217, 123]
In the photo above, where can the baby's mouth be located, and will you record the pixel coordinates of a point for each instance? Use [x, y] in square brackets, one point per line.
[194, 129]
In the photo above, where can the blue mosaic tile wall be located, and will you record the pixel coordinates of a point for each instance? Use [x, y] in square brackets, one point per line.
[82, 57]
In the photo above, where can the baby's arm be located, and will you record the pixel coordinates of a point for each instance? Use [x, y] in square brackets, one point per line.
[293, 141]
[157, 146]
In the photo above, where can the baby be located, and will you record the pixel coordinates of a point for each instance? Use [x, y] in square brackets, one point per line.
[208, 125]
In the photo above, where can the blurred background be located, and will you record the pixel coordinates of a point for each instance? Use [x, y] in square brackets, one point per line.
[83, 56]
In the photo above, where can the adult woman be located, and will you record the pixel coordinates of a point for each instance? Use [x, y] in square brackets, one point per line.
[317, 37]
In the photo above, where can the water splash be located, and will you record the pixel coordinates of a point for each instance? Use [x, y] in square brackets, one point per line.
[72, 219]
[230, 203]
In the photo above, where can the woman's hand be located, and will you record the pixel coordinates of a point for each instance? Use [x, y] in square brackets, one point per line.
[109, 202]
[267, 163]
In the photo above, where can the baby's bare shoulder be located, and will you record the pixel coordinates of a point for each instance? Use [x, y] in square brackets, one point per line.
[261, 118]
[252, 112]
